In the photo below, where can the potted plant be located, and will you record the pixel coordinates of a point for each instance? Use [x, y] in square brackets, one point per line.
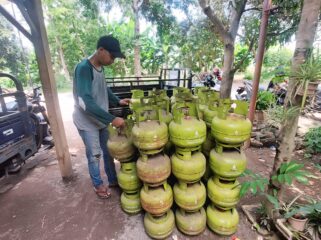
[309, 76]
[314, 221]
[299, 215]
[265, 99]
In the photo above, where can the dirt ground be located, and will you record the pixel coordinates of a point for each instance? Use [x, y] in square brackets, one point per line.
[37, 204]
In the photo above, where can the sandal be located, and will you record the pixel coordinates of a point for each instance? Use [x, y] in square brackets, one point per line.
[102, 192]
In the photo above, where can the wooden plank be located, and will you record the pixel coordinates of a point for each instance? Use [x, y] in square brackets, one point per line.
[40, 41]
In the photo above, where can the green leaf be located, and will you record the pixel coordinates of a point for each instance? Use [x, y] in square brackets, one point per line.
[254, 187]
[288, 179]
[281, 178]
[302, 179]
[291, 213]
[273, 200]
[294, 167]
[284, 166]
[244, 188]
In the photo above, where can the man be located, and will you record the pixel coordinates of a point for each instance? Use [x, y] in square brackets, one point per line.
[91, 117]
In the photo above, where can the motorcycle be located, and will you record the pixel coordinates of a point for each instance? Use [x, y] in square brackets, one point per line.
[244, 93]
[40, 118]
[212, 81]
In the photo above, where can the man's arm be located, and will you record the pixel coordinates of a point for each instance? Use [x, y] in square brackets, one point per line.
[86, 101]
[113, 99]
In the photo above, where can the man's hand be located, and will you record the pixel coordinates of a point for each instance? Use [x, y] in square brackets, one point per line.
[118, 122]
[124, 102]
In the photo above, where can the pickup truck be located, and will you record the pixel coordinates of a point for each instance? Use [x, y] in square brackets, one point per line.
[168, 79]
[17, 131]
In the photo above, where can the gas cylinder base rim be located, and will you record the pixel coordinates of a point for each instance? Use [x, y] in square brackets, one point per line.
[223, 233]
[229, 145]
[190, 210]
[187, 149]
[224, 208]
[150, 151]
[155, 184]
[186, 178]
[190, 233]
[232, 178]
[157, 214]
[125, 160]
[160, 236]
[131, 211]
[130, 190]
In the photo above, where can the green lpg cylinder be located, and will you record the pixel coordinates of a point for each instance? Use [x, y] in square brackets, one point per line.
[190, 197]
[159, 227]
[130, 202]
[150, 136]
[187, 132]
[228, 164]
[121, 148]
[224, 194]
[222, 222]
[231, 130]
[156, 200]
[191, 223]
[127, 177]
[154, 169]
[190, 170]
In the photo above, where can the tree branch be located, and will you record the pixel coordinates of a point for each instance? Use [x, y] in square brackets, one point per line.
[236, 17]
[253, 8]
[218, 26]
[272, 34]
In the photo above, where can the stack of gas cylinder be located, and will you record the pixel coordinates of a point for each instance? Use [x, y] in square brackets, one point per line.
[188, 132]
[203, 134]
[230, 128]
[208, 105]
[150, 135]
[121, 148]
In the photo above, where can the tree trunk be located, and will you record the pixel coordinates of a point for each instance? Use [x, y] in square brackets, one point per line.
[137, 64]
[228, 74]
[62, 60]
[304, 42]
[227, 36]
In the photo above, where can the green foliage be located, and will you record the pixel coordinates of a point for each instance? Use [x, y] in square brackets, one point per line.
[313, 211]
[12, 59]
[310, 71]
[242, 54]
[277, 114]
[277, 56]
[257, 183]
[286, 174]
[312, 140]
[318, 166]
[264, 100]
[264, 219]
[290, 171]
